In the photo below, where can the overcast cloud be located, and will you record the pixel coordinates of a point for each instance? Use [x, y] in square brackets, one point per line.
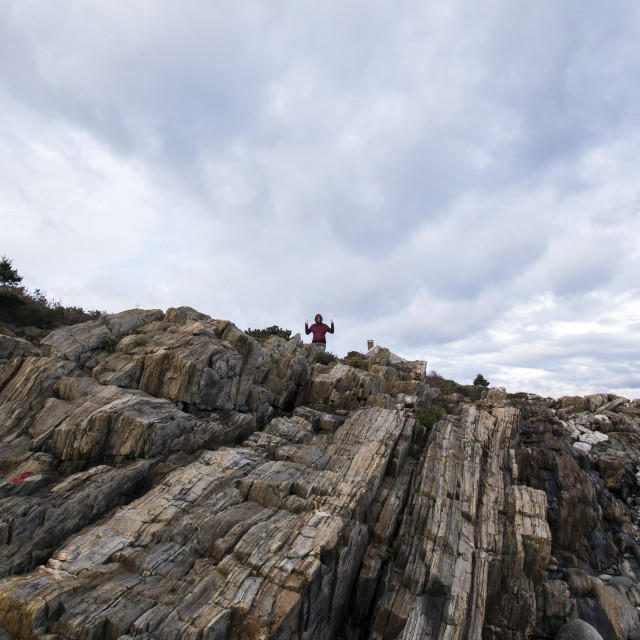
[459, 181]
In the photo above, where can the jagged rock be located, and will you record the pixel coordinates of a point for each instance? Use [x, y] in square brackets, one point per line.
[187, 358]
[15, 347]
[343, 387]
[383, 357]
[25, 385]
[231, 535]
[593, 438]
[611, 469]
[166, 476]
[282, 368]
[495, 395]
[438, 587]
[583, 447]
[80, 343]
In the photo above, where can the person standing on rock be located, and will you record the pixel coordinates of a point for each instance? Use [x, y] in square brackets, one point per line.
[319, 330]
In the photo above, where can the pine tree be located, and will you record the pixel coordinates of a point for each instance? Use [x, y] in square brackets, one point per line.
[8, 275]
[481, 381]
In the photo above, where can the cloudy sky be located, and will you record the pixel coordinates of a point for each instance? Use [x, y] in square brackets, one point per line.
[459, 180]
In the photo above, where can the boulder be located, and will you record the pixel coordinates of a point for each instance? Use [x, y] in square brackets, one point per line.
[578, 630]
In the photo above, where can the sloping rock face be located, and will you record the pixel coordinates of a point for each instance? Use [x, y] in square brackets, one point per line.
[165, 476]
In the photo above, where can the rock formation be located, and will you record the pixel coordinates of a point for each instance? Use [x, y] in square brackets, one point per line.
[165, 476]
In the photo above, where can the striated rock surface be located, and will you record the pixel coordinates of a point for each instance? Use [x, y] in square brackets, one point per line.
[165, 476]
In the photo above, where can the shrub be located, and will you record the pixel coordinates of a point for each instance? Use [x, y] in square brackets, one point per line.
[17, 308]
[109, 342]
[436, 381]
[22, 308]
[357, 360]
[264, 334]
[325, 357]
[520, 399]
[474, 393]
[429, 417]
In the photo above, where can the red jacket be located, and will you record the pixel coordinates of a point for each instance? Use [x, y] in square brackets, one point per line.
[319, 331]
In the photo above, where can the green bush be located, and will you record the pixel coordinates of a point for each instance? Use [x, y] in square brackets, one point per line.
[520, 399]
[436, 381]
[474, 393]
[356, 360]
[430, 416]
[11, 298]
[264, 334]
[109, 342]
[22, 308]
[325, 357]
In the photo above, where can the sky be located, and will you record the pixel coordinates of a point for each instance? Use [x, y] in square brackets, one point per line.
[458, 181]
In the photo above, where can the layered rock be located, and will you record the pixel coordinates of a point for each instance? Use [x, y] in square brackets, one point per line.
[473, 545]
[167, 476]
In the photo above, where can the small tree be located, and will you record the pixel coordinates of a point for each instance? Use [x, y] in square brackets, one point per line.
[481, 381]
[8, 275]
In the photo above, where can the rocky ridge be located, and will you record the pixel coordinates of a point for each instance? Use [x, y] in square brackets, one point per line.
[165, 476]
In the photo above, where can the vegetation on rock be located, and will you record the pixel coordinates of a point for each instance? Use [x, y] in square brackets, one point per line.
[326, 357]
[357, 360]
[109, 342]
[268, 332]
[20, 307]
[429, 416]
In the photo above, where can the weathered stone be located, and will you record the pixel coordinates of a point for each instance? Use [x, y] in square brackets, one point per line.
[583, 447]
[611, 469]
[579, 582]
[78, 343]
[556, 594]
[181, 480]
[15, 347]
[188, 358]
[30, 383]
[578, 630]
[598, 400]
[286, 552]
[619, 610]
[448, 584]
[594, 437]
[343, 387]
[495, 395]
[126, 322]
